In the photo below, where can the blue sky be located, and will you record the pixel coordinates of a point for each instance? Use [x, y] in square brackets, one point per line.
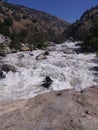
[69, 10]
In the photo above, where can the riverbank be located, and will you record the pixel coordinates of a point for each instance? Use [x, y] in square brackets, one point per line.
[58, 110]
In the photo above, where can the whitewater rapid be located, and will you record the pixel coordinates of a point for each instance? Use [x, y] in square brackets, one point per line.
[66, 70]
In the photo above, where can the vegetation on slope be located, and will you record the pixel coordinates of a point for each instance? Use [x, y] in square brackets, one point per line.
[26, 25]
[86, 29]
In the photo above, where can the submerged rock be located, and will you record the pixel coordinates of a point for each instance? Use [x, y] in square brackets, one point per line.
[48, 81]
[41, 56]
[58, 110]
[7, 68]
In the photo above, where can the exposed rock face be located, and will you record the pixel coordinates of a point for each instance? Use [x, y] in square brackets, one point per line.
[62, 110]
[4, 45]
[5, 40]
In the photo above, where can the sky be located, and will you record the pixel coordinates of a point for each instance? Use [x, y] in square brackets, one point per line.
[69, 10]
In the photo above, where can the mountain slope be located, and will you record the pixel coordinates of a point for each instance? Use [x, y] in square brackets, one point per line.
[81, 28]
[22, 24]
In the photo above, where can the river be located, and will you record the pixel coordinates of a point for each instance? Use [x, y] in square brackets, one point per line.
[66, 70]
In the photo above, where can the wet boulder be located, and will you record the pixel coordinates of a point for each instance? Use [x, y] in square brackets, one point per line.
[95, 68]
[31, 54]
[41, 56]
[69, 51]
[48, 81]
[1, 74]
[7, 68]
[46, 53]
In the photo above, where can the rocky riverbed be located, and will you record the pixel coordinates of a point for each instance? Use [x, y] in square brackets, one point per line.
[65, 74]
[58, 67]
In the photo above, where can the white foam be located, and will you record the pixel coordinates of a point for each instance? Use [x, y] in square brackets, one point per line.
[66, 70]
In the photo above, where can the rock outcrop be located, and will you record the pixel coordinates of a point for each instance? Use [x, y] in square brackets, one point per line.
[59, 110]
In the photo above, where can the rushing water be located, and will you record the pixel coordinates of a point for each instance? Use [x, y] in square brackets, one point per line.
[66, 71]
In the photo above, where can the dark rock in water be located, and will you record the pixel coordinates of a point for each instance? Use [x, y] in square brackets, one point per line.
[2, 54]
[31, 54]
[48, 81]
[46, 53]
[46, 85]
[95, 68]
[7, 68]
[1, 74]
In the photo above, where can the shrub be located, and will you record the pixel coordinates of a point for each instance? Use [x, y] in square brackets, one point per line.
[8, 22]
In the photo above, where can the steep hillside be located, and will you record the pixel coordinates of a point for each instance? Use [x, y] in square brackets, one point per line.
[81, 28]
[86, 29]
[22, 24]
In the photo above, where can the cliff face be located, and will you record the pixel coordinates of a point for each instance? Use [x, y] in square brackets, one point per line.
[24, 24]
[62, 110]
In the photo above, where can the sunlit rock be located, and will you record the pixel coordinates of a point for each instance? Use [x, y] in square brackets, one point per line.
[41, 56]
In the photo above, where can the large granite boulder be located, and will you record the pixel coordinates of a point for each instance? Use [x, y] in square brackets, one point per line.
[59, 110]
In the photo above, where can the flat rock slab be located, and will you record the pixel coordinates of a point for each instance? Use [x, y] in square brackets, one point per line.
[58, 110]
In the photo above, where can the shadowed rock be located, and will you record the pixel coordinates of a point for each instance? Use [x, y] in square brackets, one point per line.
[48, 81]
[46, 53]
[1, 74]
[95, 68]
[7, 68]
